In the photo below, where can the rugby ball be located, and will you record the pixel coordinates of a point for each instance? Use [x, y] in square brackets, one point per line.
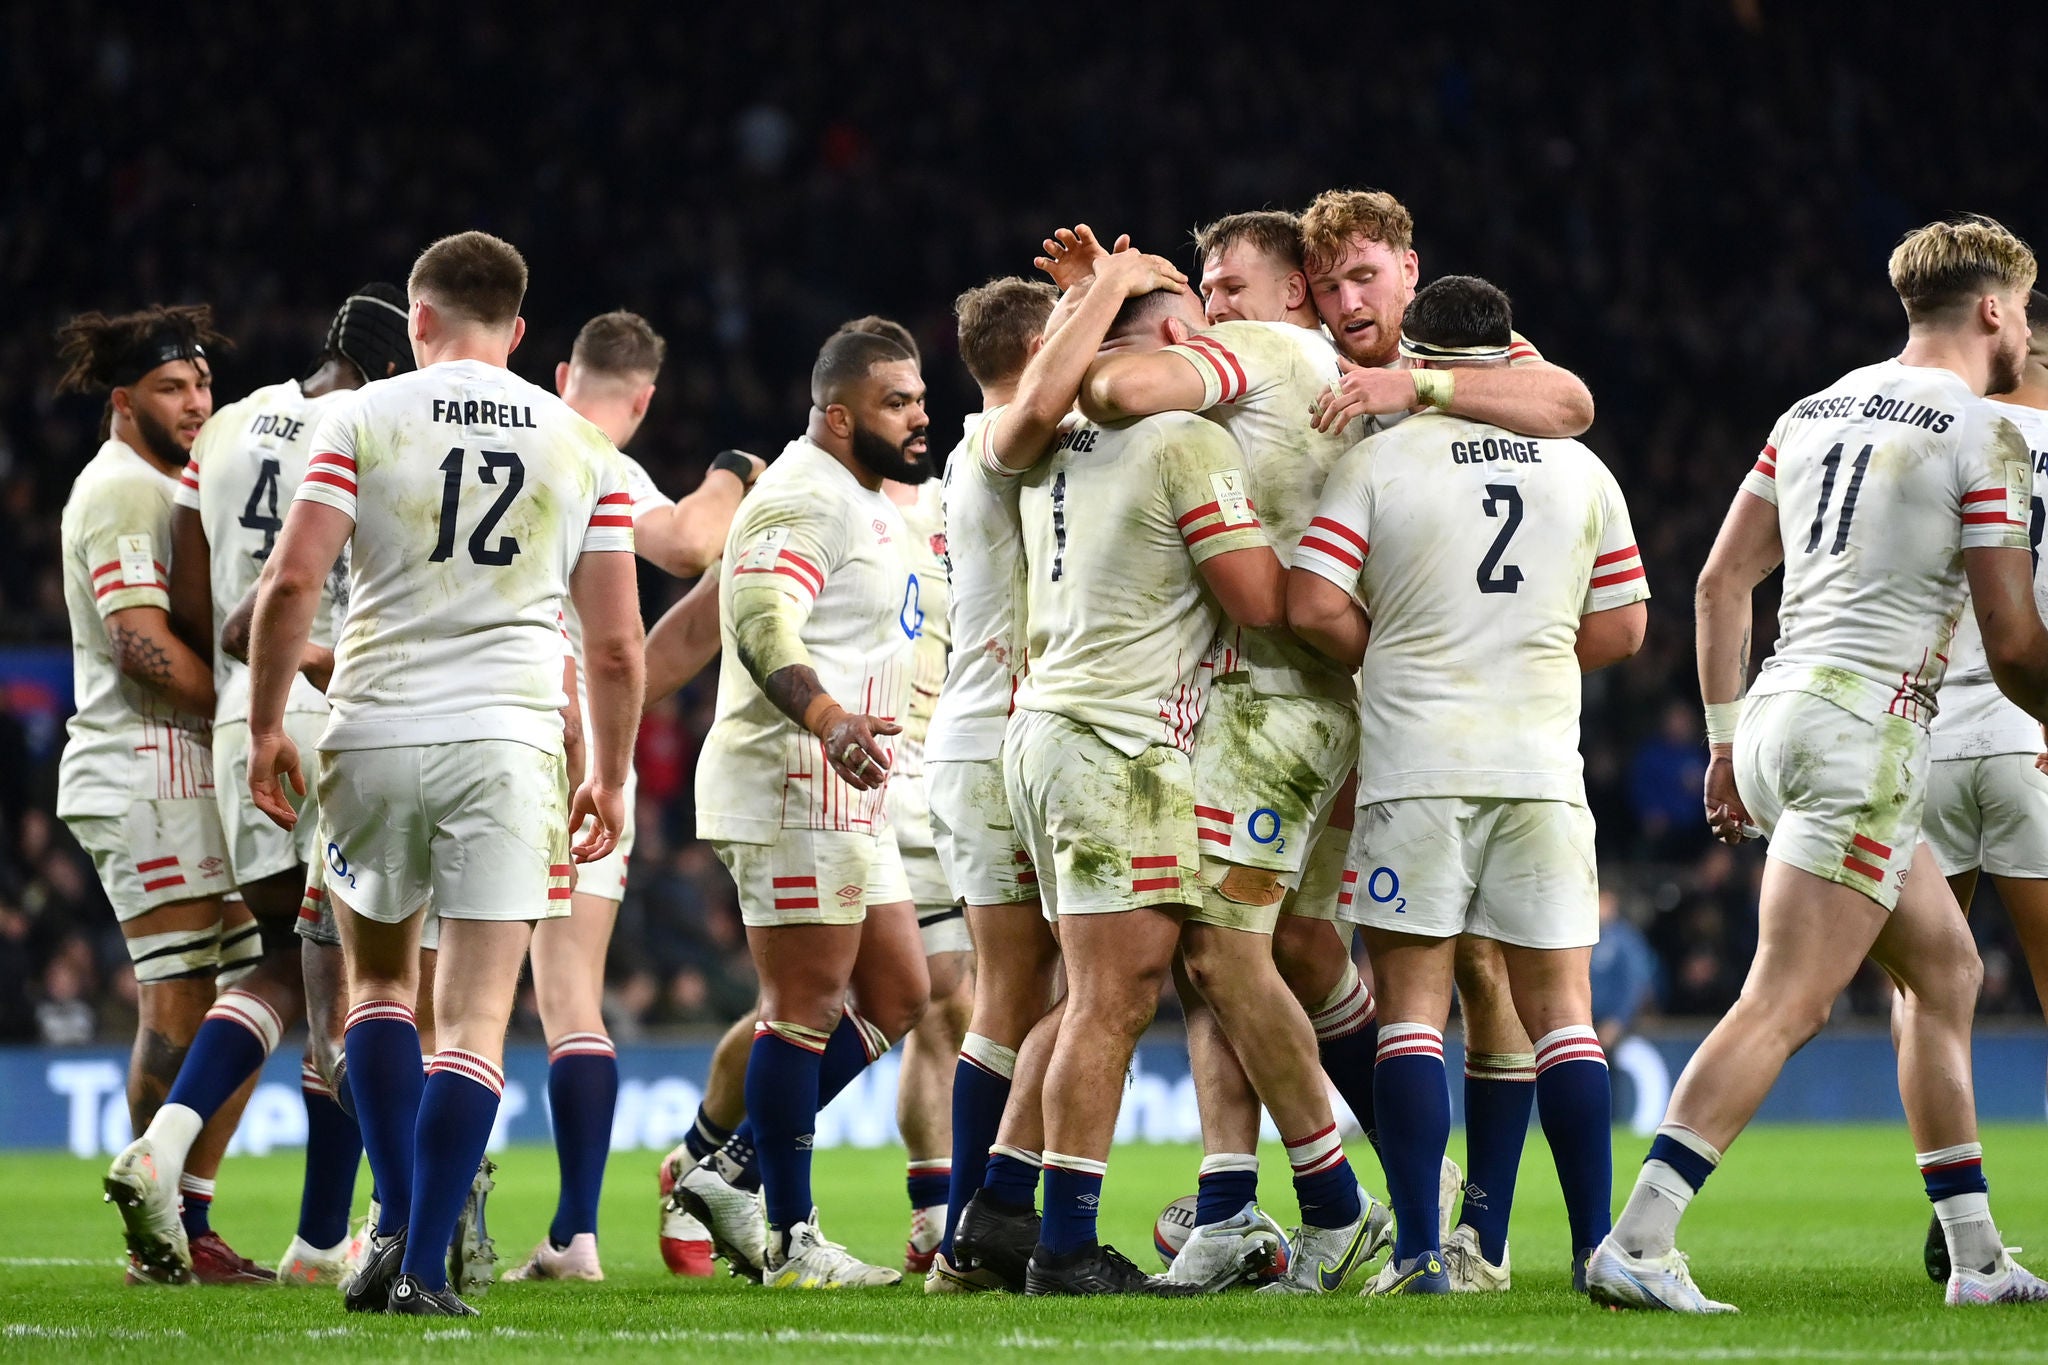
[1170, 1232]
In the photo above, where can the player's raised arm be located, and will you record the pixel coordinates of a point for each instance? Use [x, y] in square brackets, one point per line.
[1050, 383]
[684, 538]
[684, 640]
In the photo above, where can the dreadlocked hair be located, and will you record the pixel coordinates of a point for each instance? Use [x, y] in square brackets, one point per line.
[94, 345]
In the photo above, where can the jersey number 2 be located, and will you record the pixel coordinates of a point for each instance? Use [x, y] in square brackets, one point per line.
[499, 555]
[1502, 500]
[260, 512]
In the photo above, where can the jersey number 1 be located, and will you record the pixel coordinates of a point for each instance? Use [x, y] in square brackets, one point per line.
[499, 555]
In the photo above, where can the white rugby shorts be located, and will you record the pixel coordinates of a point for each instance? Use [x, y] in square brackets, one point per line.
[1520, 872]
[480, 827]
[1989, 813]
[159, 853]
[1837, 795]
[814, 876]
[982, 855]
[257, 848]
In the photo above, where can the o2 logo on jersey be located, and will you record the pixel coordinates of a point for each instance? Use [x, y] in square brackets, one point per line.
[911, 618]
[1263, 826]
[337, 863]
[1384, 886]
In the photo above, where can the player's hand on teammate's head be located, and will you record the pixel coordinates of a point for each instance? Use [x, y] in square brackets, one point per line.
[1726, 815]
[1132, 273]
[596, 815]
[273, 757]
[1361, 391]
[853, 745]
[1071, 254]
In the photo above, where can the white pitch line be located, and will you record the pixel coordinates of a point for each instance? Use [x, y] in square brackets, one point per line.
[1019, 1341]
[11, 1261]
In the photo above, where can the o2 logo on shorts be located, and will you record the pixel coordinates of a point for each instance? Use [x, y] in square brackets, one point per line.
[1384, 886]
[1263, 825]
[337, 863]
[911, 618]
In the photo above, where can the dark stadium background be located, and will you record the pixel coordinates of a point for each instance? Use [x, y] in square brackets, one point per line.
[1691, 204]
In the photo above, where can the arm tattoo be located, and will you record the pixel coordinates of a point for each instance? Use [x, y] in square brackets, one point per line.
[793, 689]
[140, 657]
[152, 1069]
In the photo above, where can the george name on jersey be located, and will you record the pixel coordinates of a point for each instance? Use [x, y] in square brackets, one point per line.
[482, 412]
[1492, 450]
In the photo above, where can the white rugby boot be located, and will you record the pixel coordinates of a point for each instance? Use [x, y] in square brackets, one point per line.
[576, 1261]
[731, 1215]
[1450, 1188]
[305, 1264]
[1616, 1279]
[811, 1262]
[1471, 1272]
[2006, 1282]
[1319, 1260]
[1220, 1254]
[157, 1246]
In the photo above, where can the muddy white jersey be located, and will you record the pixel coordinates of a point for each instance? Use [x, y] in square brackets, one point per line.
[1476, 552]
[985, 553]
[645, 498]
[1881, 481]
[930, 569]
[126, 744]
[839, 551]
[244, 469]
[473, 494]
[1977, 719]
[1119, 625]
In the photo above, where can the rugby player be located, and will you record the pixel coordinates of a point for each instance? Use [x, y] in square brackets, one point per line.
[1492, 570]
[135, 784]
[1881, 495]
[472, 503]
[609, 379]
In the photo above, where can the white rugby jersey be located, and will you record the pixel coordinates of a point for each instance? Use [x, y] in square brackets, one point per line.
[1476, 553]
[244, 469]
[930, 568]
[838, 549]
[1880, 481]
[126, 744]
[1976, 718]
[474, 493]
[985, 554]
[645, 498]
[1118, 622]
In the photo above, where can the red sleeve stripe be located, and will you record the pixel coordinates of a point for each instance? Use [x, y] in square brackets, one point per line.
[1769, 471]
[1334, 551]
[1522, 350]
[620, 523]
[1604, 560]
[1625, 576]
[1984, 495]
[803, 569]
[1219, 357]
[115, 567]
[1166, 860]
[1990, 519]
[1340, 529]
[335, 458]
[616, 500]
[1219, 528]
[1206, 509]
[108, 589]
[346, 485]
[189, 475]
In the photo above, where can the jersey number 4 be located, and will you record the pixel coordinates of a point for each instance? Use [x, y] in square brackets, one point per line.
[260, 512]
[500, 554]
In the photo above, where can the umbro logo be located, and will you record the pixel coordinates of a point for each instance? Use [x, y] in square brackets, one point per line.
[211, 866]
[803, 1141]
[848, 894]
[1088, 1200]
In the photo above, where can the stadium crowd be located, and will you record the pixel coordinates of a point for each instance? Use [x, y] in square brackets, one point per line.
[645, 165]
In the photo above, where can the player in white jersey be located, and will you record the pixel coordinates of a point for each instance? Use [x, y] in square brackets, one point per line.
[1987, 798]
[1492, 569]
[246, 463]
[815, 615]
[609, 380]
[472, 503]
[135, 784]
[1880, 495]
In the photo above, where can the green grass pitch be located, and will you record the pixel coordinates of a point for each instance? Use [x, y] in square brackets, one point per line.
[1814, 1231]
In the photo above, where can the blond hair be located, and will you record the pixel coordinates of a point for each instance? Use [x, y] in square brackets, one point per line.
[997, 323]
[1270, 232]
[1942, 266]
[1329, 225]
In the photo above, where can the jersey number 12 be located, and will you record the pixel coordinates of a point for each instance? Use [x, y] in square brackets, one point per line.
[496, 556]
